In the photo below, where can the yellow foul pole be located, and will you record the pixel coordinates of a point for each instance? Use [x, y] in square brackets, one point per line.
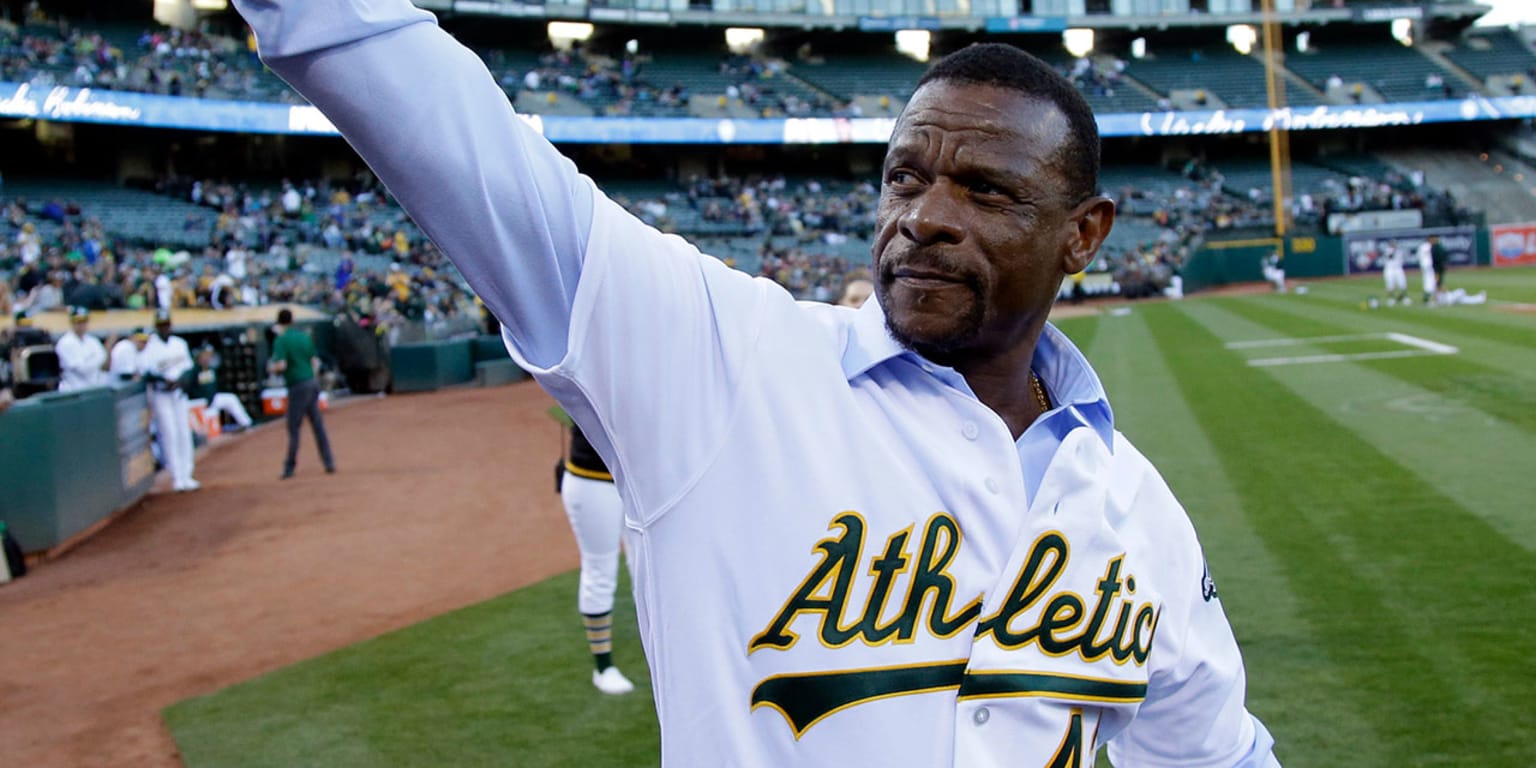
[1279, 138]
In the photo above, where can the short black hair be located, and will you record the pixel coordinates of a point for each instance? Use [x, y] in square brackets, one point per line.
[285, 316]
[1005, 66]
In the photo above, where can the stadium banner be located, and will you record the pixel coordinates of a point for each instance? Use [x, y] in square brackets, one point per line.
[88, 105]
[1006, 24]
[899, 23]
[1513, 244]
[1362, 252]
[1374, 221]
[1372, 13]
[497, 8]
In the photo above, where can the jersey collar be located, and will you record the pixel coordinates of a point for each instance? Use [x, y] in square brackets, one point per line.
[1066, 373]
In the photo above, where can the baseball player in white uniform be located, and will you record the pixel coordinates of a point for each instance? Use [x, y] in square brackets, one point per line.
[903, 535]
[82, 357]
[596, 514]
[1392, 273]
[124, 363]
[163, 364]
[1425, 254]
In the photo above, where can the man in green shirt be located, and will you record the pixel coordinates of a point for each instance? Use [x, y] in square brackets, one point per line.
[293, 355]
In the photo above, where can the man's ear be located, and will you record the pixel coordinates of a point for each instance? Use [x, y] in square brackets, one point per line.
[1090, 223]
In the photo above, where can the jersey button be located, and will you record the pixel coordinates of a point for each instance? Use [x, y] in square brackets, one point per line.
[982, 716]
[969, 430]
[991, 485]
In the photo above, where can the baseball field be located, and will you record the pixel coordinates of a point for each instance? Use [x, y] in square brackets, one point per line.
[1363, 480]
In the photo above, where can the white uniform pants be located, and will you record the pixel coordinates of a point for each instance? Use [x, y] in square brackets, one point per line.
[175, 435]
[224, 402]
[597, 519]
[1429, 281]
[1395, 278]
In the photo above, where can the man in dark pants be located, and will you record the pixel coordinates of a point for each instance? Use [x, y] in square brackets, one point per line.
[293, 355]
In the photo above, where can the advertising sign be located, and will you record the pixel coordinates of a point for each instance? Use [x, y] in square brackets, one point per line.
[1362, 252]
[1514, 244]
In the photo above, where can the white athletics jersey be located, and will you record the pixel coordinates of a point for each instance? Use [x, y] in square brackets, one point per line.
[1392, 257]
[80, 362]
[169, 359]
[125, 359]
[841, 556]
[1426, 256]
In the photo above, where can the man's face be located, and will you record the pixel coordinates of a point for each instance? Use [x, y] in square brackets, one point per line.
[80, 325]
[975, 227]
[856, 293]
[163, 330]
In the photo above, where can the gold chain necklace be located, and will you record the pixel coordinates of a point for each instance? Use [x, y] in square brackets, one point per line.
[1039, 388]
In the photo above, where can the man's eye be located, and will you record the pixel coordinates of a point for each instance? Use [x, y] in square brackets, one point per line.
[986, 188]
[900, 177]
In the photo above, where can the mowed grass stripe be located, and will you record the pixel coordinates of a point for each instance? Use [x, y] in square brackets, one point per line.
[1382, 571]
[1287, 686]
[504, 682]
[1081, 330]
[1486, 321]
[1468, 429]
[1496, 378]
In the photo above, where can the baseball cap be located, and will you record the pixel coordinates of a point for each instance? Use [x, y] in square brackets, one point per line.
[162, 316]
[22, 318]
[79, 313]
[139, 334]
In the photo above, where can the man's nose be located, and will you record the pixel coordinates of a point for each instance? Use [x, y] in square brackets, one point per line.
[934, 216]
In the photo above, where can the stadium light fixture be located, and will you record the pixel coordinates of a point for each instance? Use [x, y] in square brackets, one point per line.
[1139, 48]
[1303, 42]
[1079, 42]
[742, 39]
[1242, 37]
[914, 43]
[1402, 29]
[563, 33]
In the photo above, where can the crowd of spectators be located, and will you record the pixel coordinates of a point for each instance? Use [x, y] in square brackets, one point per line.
[346, 246]
[1094, 77]
[46, 52]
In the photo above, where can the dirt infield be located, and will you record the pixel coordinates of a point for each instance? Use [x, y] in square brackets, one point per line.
[442, 500]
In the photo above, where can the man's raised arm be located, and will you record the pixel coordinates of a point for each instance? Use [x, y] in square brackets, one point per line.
[509, 211]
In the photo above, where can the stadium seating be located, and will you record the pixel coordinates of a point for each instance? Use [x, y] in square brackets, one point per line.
[1395, 72]
[1234, 80]
[1495, 53]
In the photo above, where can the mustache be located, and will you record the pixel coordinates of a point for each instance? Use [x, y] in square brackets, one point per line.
[928, 264]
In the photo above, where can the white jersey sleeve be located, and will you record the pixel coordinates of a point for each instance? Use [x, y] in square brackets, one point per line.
[634, 332]
[1194, 714]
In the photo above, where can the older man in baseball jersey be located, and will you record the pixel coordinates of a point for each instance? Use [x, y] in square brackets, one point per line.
[903, 535]
[82, 357]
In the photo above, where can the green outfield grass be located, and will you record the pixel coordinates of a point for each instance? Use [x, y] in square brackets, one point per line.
[1371, 523]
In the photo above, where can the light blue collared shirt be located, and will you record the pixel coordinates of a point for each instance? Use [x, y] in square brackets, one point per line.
[1077, 396]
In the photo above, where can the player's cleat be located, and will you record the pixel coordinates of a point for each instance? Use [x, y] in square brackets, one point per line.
[611, 681]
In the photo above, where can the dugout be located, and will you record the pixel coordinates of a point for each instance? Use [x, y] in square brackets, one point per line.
[69, 460]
